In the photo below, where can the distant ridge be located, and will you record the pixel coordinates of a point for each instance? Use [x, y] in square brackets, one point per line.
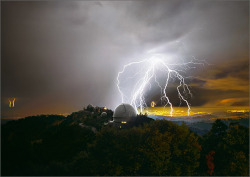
[4, 121]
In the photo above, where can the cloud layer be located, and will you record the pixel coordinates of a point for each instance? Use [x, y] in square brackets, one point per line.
[59, 56]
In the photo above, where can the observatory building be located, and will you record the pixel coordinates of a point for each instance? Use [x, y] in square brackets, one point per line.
[104, 114]
[124, 116]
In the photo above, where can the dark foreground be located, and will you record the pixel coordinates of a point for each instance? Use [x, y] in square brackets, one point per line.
[81, 145]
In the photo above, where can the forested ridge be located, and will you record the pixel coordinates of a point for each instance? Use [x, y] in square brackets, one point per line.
[57, 145]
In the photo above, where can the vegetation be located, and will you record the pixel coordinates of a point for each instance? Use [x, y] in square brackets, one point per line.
[58, 145]
[230, 147]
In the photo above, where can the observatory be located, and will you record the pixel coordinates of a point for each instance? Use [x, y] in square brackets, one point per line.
[104, 114]
[90, 106]
[124, 115]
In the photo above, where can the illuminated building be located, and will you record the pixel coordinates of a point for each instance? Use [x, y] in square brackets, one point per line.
[124, 116]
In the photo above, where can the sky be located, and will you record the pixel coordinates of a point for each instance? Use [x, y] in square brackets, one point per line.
[57, 57]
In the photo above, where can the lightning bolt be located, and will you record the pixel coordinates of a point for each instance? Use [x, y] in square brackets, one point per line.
[148, 72]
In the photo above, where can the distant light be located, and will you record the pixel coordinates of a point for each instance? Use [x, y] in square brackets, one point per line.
[153, 104]
[12, 102]
[124, 122]
[105, 108]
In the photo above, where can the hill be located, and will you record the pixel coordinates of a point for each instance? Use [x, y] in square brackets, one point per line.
[80, 144]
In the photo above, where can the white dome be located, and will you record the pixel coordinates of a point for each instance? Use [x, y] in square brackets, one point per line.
[124, 112]
[103, 114]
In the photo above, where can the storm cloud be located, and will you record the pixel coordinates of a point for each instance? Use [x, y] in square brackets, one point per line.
[60, 56]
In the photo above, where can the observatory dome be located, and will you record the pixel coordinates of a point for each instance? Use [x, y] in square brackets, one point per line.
[90, 106]
[103, 114]
[124, 112]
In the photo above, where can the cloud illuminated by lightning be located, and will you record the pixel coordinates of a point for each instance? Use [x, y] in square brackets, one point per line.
[148, 71]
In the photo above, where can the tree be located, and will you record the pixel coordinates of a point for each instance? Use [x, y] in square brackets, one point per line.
[157, 148]
[230, 147]
[218, 129]
[237, 148]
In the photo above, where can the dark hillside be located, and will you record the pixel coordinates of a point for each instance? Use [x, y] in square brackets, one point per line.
[80, 144]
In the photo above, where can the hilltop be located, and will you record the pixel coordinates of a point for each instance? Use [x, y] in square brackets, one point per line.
[80, 144]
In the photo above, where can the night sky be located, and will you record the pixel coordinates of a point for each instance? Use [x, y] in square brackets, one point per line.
[60, 56]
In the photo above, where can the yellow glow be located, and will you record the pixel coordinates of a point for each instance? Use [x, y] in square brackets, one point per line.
[124, 122]
[153, 104]
[105, 108]
[227, 100]
[9, 103]
[182, 111]
[232, 110]
[12, 102]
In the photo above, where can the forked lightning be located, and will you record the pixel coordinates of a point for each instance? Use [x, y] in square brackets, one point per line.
[149, 70]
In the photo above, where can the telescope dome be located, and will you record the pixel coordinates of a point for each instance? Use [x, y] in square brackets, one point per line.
[124, 112]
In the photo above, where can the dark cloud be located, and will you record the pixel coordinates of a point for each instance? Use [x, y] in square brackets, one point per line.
[60, 56]
[210, 97]
[241, 103]
[200, 97]
[196, 82]
[238, 69]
